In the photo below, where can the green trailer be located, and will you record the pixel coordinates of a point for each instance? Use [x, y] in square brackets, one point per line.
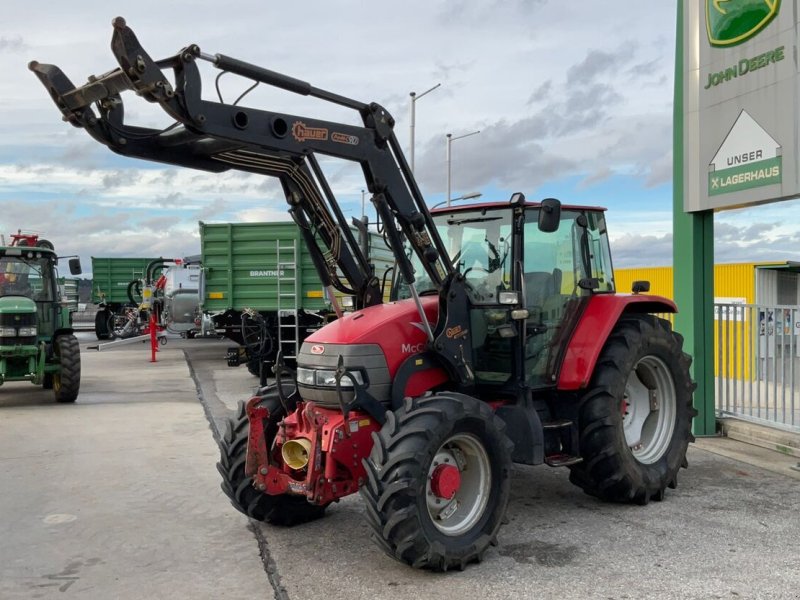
[261, 290]
[111, 278]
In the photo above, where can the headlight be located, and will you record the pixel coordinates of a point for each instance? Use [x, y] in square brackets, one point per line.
[27, 331]
[305, 376]
[8, 332]
[326, 377]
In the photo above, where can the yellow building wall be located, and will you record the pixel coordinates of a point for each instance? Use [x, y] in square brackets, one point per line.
[731, 281]
[660, 279]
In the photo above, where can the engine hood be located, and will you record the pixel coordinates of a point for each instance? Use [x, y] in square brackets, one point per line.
[394, 326]
[17, 305]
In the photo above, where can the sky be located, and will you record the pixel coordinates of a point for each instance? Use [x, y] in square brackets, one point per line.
[573, 100]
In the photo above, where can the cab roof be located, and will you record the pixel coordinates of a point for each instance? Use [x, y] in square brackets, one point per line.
[491, 205]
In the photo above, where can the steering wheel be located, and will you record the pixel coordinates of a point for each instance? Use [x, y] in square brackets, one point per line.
[479, 268]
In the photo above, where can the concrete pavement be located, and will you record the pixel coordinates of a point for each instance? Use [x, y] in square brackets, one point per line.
[118, 497]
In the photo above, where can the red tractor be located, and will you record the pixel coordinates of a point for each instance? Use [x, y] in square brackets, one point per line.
[506, 341]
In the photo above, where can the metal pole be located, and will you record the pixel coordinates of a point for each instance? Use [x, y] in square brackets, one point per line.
[414, 98]
[362, 203]
[450, 140]
[413, 119]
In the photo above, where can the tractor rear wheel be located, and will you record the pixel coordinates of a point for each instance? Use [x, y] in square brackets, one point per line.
[438, 481]
[101, 325]
[278, 510]
[635, 422]
[67, 381]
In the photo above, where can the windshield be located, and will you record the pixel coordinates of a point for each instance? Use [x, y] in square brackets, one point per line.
[30, 277]
[479, 244]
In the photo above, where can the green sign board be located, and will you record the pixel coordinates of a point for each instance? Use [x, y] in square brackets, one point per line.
[740, 96]
[762, 172]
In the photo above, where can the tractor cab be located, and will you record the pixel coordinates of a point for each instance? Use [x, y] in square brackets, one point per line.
[509, 258]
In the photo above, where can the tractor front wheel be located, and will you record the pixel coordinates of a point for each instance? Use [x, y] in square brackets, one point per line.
[635, 421]
[438, 481]
[278, 510]
[67, 381]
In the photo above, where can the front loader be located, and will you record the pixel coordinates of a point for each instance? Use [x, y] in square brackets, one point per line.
[507, 341]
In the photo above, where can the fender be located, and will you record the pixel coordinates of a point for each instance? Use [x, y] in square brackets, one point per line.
[595, 325]
[417, 374]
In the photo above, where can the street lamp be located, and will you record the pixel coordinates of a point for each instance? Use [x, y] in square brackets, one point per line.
[414, 99]
[450, 140]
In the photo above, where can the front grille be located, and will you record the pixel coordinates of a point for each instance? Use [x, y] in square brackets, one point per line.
[367, 358]
[16, 321]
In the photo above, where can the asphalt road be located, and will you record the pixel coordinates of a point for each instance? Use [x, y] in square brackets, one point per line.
[118, 497]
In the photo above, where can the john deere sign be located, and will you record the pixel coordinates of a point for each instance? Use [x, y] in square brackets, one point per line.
[740, 93]
[732, 22]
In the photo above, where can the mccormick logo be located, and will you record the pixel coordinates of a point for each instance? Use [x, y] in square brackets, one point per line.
[317, 349]
[302, 133]
[733, 22]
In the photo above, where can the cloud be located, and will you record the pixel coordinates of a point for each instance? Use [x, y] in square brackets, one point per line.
[14, 44]
[572, 100]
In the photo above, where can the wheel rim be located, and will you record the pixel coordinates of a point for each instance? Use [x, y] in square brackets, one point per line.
[649, 409]
[456, 515]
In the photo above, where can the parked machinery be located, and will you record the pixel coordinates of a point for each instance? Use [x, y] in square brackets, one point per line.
[113, 283]
[510, 344]
[167, 291]
[36, 337]
[260, 288]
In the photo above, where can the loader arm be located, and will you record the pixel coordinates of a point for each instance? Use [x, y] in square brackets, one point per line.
[215, 136]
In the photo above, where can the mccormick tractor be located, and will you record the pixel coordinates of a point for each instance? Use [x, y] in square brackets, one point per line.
[507, 342]
[36, 339]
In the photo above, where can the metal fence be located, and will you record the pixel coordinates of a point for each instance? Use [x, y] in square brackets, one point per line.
[757, 363]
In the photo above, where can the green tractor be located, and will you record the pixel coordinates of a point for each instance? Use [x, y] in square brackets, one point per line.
[36, 338]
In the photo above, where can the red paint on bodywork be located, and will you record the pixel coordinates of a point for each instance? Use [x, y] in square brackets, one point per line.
[338, 446]
[596, 322]
[394, 326]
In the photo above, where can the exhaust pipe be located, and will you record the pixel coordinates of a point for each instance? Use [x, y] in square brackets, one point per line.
[296, 453]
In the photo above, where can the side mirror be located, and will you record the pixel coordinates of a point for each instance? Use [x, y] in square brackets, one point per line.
[75, 266]
[549, 215]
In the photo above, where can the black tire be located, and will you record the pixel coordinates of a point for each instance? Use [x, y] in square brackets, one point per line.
[101, 324]
[67, 381]
[401, 469]
[45, 244]
[119, 327]
[643, 358]
[284, 510]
